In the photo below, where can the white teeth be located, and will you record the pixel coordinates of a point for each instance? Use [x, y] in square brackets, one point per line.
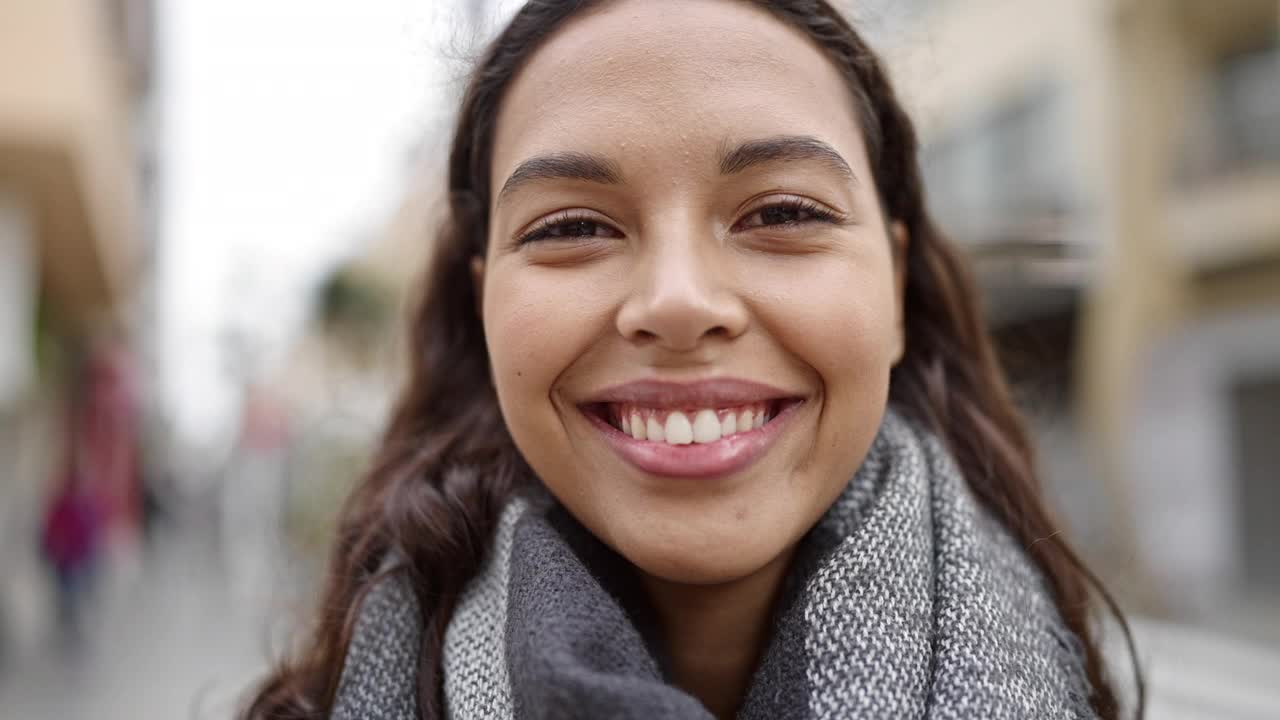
[706, 427]
[678, 430]
[729, 425]
[655, 431]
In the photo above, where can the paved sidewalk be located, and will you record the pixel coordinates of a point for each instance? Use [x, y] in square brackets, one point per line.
[171, 643]
[1196, 674]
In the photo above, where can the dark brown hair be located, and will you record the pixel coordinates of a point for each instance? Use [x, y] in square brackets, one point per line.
[447, 464]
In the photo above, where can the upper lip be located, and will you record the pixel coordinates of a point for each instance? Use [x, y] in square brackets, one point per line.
[715, 393]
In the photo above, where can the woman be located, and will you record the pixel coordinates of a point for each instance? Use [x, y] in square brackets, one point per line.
[703, 420]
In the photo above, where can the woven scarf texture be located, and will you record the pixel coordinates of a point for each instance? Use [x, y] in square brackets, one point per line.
[906, 600]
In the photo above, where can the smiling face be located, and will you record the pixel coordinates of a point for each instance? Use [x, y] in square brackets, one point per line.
[689, 294]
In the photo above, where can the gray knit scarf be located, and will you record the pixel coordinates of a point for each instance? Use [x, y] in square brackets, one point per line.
[906, 600]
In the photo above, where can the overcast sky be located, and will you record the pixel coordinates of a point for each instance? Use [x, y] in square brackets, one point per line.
[286, 128]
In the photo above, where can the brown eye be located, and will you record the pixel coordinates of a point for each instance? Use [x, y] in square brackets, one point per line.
[576, 228]
[785, 214]
[780, 215]
[568, 229]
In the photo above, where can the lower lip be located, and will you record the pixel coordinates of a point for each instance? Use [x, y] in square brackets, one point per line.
[696, 460]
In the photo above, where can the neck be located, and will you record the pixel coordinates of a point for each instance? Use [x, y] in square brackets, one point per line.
[714, 634]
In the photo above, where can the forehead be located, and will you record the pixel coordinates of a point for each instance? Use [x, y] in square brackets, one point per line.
[672, 79]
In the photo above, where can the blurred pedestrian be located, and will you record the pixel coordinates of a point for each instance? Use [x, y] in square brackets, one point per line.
[71, 543]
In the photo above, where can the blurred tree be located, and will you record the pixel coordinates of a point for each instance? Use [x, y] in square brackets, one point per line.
[355, 310]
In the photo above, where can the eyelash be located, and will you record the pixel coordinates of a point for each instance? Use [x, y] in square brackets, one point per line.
[817, 213]
[543, 228]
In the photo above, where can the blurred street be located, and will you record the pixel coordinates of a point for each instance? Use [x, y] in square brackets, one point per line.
[174, 643]
[171, 641]
[1196, 675]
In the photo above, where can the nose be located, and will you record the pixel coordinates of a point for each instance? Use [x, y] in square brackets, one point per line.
[681, 296]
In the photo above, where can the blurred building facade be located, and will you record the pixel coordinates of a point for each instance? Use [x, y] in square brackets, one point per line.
[1113, 169]
[72, 76]
[342, 376]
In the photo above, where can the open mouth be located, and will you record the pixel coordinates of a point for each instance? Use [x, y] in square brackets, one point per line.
[689, 425]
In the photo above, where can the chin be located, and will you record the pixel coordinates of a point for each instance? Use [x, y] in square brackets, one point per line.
[703, 560]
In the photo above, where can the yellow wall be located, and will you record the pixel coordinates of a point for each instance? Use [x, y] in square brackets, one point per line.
[65, 146]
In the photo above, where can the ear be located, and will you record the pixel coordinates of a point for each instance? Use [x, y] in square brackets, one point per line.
[900, 239]
[477, 281]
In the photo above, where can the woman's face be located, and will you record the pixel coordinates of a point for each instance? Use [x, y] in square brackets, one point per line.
[686, 241]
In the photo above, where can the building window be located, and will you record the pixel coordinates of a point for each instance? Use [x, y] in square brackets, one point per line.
[1239, 126]
[1247, 107]
[1004, 177]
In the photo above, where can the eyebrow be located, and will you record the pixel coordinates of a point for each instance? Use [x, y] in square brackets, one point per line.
[782, 148]
[562, 166]
[568, 165]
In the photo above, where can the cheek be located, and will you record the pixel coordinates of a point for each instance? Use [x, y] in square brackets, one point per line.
[837, 317]
[536, 324]
[520, 334]
[835, 314]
